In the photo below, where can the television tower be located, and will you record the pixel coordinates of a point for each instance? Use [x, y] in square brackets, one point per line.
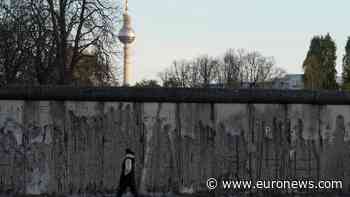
[127, 37]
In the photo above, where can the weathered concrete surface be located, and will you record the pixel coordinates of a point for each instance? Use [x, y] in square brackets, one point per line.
[77, 146]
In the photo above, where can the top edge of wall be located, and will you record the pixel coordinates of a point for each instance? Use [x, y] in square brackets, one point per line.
[175, 95]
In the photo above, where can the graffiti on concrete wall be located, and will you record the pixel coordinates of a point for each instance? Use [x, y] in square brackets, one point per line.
[24, 146]
[77, 147]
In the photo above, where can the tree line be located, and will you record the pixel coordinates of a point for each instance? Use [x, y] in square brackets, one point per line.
[239, 68]
[234, 68]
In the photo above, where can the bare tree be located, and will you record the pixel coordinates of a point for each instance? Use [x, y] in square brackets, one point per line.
[199, 72]
[257, 69]
[56, 35]
[44, 47]
[206, 69]
[228, 70]
[83, 24]
[18, 46]
[178, 75]
[233, 69]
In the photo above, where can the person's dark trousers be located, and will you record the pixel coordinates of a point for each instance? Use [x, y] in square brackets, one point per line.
[127, 182]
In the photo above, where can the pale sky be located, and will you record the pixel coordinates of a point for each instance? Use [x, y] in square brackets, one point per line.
[175, 29]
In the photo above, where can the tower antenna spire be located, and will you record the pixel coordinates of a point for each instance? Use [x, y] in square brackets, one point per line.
[126, 5]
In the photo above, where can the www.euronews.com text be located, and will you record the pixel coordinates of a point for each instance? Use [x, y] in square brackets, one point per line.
[274, 184]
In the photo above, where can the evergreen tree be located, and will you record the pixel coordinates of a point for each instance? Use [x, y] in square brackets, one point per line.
[328, 60]
[346, 66]
[311, 65]
[320, 62]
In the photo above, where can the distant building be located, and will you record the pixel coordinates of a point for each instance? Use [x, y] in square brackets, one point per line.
[87, 68]
[289, 81]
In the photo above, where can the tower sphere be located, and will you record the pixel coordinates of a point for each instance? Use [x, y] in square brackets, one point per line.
[127, 34]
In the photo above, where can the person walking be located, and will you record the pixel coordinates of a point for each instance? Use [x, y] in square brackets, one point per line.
[127, 177]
